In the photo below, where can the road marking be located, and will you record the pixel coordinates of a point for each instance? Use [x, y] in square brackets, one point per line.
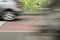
[2, 22]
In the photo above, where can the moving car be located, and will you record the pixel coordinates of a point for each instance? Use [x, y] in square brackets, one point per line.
[9, 9]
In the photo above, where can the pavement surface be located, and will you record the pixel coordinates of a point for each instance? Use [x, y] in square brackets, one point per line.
[23, 23]
[22, 29]
[23, 36]
[26, 23]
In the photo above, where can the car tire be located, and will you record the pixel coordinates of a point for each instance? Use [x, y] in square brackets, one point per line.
[9, 15]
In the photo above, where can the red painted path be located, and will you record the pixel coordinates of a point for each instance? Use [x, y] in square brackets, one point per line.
[19, 25]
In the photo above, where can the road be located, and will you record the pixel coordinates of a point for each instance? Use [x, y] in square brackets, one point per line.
[26, 23]
[23, 23]
[22, 36]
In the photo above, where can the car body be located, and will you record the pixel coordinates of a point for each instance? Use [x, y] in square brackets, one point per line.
[7, 7]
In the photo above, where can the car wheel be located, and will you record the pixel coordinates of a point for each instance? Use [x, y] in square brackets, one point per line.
[8, 15]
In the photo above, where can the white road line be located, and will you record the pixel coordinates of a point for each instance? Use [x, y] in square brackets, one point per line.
[2, 22]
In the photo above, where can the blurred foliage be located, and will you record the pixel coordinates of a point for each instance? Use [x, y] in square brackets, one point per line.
[32, 5]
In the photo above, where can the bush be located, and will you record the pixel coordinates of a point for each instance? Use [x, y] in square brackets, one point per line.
[32, 5]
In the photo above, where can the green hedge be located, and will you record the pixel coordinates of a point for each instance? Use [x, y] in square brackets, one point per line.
[32, 5]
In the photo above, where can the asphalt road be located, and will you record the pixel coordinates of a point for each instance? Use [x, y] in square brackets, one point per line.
[22, 36]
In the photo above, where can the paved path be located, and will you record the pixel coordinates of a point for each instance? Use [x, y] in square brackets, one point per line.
[19, 25]
[24, 23]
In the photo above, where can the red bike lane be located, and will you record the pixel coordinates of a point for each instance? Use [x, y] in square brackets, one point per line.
[19, 25]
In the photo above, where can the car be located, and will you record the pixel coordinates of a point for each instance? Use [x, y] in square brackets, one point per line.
[9, 9]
